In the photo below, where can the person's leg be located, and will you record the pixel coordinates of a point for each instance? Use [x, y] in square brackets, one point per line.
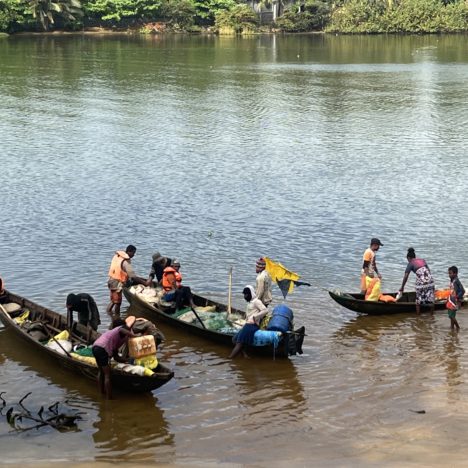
[432, 308]
[236, 350]
[101, 381]
[107, 381]
[418, 309]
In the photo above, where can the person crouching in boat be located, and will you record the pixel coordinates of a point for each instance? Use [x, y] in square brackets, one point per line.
[158, 266]
[425, 290]
[85, 305]
[107, 347]
[254, 313]
[173, 289]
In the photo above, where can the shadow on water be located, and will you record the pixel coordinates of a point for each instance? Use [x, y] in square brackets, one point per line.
[130, 426]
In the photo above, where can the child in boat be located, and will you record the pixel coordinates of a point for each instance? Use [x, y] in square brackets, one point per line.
[255, 311]
[454, 302]
[107, 347]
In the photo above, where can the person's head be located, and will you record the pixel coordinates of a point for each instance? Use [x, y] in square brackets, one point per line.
[176, 265]
[375, 244]
[118, 322]
[260, 265]
[131, 250]
[157, 257]
[453, 272]
[249, 293]
[72, 301]
[411, 254]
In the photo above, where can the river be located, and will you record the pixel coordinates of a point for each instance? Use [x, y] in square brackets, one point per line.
[217, 151]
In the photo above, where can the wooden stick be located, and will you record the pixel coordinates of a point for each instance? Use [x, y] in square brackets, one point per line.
[230, 291]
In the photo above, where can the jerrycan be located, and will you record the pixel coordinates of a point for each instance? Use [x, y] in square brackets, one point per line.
[140, 346]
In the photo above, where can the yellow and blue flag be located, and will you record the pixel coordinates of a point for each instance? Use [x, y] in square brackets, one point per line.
[284, 278]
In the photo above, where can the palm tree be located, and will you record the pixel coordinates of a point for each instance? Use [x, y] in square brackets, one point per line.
[45, 11]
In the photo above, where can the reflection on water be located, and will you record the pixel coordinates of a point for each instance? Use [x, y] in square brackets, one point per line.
[216, 151]
[132, 429]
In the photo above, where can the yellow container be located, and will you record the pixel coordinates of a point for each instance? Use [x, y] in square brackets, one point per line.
[140, 346]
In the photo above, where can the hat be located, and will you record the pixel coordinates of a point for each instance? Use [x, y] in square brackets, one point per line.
[374, 240]
[156, 256]
[261, 263]
[130, 321]
[175, 263]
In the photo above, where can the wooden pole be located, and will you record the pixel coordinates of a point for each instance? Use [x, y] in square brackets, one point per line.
[230, 291]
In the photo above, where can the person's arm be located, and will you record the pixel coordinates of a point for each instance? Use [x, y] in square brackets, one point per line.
[376, 270]
[405, 279]
[69, 317]
[260, 312]
[459, 292]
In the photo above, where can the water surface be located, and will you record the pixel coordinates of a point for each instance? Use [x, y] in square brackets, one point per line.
[217, 151]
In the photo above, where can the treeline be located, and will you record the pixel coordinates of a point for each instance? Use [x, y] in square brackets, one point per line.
[235, 16]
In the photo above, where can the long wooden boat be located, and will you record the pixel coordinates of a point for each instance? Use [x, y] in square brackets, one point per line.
[54, 324]
[356, 302]
[289, 344]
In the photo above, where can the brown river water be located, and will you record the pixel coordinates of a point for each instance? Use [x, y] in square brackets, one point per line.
[217, 151]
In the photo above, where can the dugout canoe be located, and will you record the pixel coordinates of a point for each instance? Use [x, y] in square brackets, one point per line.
[55, 323]
[290, 343]
[356, 302]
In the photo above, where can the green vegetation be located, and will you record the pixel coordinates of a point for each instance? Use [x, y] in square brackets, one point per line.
[415, 16]
[236, 16]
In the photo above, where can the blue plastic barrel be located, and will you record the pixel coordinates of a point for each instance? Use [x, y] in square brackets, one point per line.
[281, 319]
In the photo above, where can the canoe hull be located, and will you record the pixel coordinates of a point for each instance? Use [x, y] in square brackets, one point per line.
[158, 315]
[123, 380]
[357, 303]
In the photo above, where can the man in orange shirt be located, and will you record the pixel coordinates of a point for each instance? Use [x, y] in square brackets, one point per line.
[369, 266]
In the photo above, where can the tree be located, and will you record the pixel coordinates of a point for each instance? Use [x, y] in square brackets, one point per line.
[45, 11]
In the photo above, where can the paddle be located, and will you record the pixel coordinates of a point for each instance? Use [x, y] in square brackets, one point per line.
[198, 317]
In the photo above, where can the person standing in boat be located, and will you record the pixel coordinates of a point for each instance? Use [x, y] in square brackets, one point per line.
[107, 347]
[121, 274]
[425, 290]
[369, 265]
[157, 267]
[263, 282]
[85, 305]
[254, 313]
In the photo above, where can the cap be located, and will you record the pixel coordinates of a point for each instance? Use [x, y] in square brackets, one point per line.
[175, 263]
[260, 263]
[374, 240]
[130, 321]
[156, 256]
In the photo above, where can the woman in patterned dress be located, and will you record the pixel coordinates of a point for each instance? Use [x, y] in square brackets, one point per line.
[424, 282]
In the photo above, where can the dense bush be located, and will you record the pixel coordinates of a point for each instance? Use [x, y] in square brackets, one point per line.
[13, 14]
[410, 16]
[314, 16]
[240, 18]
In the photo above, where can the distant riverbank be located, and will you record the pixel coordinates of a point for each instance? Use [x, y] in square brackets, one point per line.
[227, 17]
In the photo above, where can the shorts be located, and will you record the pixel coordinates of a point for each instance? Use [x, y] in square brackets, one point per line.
[452, 313]
[115, 288]
[101, 356]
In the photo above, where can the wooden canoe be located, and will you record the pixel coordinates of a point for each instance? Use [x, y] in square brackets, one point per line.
[357, 303]
[158, 313]
[55, 323]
